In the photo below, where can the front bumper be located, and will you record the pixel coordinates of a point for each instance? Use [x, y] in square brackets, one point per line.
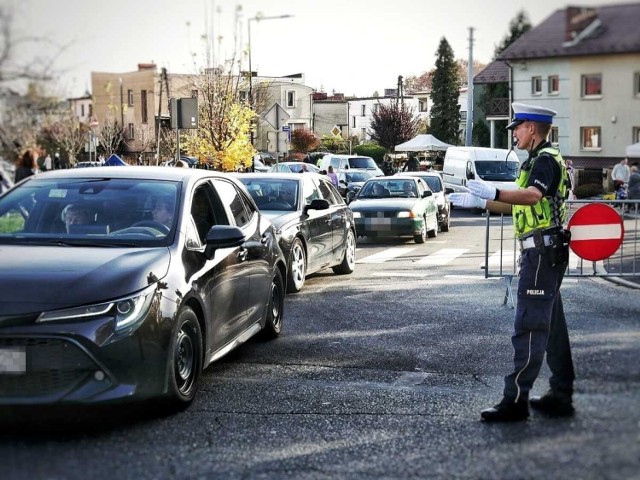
[388, 226]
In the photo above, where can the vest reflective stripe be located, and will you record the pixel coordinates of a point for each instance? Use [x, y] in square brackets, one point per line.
[550, 211]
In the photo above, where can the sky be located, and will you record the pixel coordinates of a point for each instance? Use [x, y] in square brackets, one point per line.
[353, 47]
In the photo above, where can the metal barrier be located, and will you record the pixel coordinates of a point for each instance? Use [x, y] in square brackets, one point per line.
[501, 250]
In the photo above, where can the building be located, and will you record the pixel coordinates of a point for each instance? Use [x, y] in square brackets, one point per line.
[329, 112]
[82, 107]
[583, 63]
[491, 102]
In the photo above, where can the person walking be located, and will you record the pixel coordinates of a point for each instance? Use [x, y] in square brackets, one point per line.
[412, 165]
[633, 191]
[48, 163]
[538, 210]
[56, 161]
[27, 166]
[332, 175]
[620, 174]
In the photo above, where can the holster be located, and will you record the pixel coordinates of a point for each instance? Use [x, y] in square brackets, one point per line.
[558, 249]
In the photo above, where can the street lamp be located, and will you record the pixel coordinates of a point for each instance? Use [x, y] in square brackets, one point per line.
[259, 16]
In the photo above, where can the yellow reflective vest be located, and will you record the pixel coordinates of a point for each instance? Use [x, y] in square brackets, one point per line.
[550, 211]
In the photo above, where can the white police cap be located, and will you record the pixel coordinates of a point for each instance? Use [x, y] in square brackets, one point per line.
[532, 113]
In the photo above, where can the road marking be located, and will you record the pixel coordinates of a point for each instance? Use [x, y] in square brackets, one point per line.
[388, 254]
[507, 257]
[401, 274]
[442, 256]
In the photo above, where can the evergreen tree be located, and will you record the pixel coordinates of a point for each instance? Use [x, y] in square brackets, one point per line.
[518, 26]
[445, 113]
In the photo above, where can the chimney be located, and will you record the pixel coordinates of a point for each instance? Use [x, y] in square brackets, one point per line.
[146, 66]
[577, 19]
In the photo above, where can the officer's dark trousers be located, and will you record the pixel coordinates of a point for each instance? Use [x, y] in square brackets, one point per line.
[539, 326]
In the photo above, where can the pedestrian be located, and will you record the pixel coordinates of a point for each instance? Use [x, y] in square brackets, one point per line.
[48, 163]
[56, 161]
[620, 174]
[538, 211]
[332, 175]
[27, 166]
[633, 191]
[5, 182]
[412, 164]
[570, 173]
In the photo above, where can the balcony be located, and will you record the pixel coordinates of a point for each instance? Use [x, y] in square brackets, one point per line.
[498, 107]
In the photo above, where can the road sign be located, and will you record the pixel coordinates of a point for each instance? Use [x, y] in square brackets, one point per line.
[276, 116]
[597, 231]
[336, 131]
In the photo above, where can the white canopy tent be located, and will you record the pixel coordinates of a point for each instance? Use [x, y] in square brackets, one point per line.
[633, 150]
[422, 143]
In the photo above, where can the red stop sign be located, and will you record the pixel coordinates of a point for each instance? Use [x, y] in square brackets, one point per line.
[596, 232]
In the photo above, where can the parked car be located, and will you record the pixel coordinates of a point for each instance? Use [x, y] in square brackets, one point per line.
[496, 166]
[351, 181]
[347, 162]
[396, 206]
[436, 185]
[293, 167]
[258, 166]
[123, 283]
[314, 226]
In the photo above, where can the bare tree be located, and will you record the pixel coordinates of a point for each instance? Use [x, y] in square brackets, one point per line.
[68, 133]
[110, 135]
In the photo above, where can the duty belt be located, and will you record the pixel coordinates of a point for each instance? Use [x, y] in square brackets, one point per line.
[529, 242]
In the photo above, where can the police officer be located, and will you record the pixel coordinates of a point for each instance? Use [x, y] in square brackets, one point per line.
[538, 210]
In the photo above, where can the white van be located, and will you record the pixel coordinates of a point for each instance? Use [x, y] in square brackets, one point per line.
[496, 166]
[345, 162]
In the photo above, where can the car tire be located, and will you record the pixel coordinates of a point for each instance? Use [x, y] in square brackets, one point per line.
[348, 264]
[297, 268]
[445, 223]
[273, 324]
[185, 360]
[422, 236]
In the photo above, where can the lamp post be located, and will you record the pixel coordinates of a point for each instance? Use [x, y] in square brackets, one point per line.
[259, 16]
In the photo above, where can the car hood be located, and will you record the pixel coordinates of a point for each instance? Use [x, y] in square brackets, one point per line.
[355, 185]
[280, 217]
[382, 204]
[39, 278]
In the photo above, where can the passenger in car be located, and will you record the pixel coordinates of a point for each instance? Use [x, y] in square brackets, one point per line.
[76, 214]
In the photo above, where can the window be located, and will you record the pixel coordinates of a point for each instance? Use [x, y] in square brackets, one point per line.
[553, 137]
[194, 93]
[82, 109]
[554, 85]
[244, 96]
[130, 98]
[636, 84]
[230, 196]
[592, 85]
[291, 99]
[131, 132]
[143, 106]
[363, 133]
[536, 85]
[590, 138]
[636, 135]
[326, 192]
[376, 107]
[423, 105]
[362, 110]
[353, 123]
[90, 110]
[463, 116]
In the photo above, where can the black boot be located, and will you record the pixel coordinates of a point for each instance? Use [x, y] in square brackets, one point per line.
[506, 411]
[553, 403]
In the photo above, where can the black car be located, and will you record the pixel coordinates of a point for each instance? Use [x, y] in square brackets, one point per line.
[351, 181]
[314, 226]
[124, 283]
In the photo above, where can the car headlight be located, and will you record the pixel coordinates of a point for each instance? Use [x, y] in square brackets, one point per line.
[125, 311]
[408, 214]
[357, 215]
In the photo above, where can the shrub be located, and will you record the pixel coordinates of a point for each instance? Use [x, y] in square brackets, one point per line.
[588, 190]
[370, 150]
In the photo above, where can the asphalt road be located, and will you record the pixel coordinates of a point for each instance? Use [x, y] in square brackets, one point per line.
[377, 375]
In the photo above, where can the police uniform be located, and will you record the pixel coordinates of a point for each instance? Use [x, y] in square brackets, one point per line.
[540, 324]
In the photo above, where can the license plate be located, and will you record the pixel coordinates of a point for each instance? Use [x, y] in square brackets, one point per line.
[13, 360]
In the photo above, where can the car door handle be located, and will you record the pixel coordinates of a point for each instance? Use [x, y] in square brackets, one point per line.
[264, 240]
[243, 254]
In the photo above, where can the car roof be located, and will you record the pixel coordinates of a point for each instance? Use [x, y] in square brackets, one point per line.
[184, 175]
[433, 173]
[279, 175]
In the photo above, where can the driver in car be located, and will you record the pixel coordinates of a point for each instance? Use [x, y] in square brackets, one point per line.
[76, 214]
[163, 211]
[409, 189]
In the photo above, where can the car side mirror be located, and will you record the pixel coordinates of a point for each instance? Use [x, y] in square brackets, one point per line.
[427, 193]
[317, 204]
[222, 236]
[448, 190]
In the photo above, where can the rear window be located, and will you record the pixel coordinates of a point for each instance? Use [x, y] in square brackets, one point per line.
[362, 162]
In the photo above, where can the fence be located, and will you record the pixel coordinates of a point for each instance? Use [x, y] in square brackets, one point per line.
[503, 262]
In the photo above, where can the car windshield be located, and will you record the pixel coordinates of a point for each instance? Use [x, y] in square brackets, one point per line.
[497, 170]
[435, 184]
[89, 211]
[402, 188]
[273, 193]
[362, 162]
[358, 176]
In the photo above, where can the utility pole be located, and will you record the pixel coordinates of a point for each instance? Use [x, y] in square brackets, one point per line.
[400, 97]
[163, 80]
[469, 136]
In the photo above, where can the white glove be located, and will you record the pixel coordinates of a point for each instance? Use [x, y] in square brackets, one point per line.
[467, 200]
[482, 189]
